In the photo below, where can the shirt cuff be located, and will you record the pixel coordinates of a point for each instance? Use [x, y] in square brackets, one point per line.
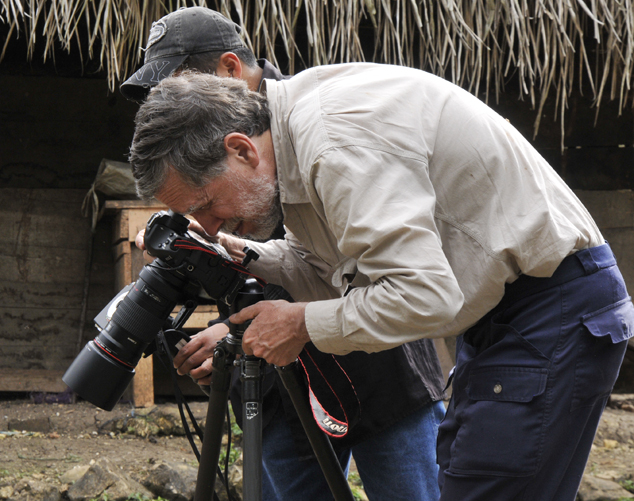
[321, 323]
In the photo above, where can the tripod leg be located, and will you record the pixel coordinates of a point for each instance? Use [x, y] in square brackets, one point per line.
[212, 442]
[252, 373]
[318, 440]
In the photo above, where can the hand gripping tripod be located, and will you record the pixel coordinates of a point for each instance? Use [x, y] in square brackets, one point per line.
[251, 376]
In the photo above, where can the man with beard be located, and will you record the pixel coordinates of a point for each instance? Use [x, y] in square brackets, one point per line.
[399, 390]
[432, 216]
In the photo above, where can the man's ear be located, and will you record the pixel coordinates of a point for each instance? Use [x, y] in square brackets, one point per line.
[229, 65]
[240, 146]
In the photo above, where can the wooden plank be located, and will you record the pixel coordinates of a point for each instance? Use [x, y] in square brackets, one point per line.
[30, 217]
[123, 265]
[120, 227]
[138, 219]
[137, 261]
[32, 380]
[38, 323]
[116, 205]
[52, 295]
[44, 242]
[62, 200]
[49, 268]
[201, 316]
[143, 383]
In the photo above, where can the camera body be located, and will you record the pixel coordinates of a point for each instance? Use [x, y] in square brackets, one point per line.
[206, 266]
[185, 269]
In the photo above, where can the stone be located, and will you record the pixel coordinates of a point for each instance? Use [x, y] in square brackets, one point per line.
[236, 479]
[173, 481]
[28, 490]
[103, 479]
[614, 425]
[6, 491]
[74, 474]
[598, 489]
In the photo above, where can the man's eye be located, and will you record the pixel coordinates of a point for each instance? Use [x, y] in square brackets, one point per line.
[203, 207]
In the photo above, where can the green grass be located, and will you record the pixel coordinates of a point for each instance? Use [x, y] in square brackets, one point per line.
[628, 485]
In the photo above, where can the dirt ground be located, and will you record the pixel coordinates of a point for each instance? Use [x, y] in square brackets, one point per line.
[59, 437]
[45, 441]
[75, 434]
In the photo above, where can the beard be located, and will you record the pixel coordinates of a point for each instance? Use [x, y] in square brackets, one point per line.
[259, 205]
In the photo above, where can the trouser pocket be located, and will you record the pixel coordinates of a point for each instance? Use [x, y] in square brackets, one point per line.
[600, 353]
[501, 422]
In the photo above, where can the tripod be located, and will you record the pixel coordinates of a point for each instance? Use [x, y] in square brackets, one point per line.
[251, 376]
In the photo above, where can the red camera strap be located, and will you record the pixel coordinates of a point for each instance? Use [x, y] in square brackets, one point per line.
[333, 399]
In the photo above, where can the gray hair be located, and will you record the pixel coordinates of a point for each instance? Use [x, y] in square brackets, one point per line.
[183, 123]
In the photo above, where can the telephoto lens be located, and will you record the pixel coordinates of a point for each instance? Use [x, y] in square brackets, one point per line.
[104, 368]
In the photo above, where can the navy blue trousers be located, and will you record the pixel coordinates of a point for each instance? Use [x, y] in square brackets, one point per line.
[531, 381]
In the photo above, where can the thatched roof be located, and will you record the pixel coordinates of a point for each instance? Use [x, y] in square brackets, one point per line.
[551, 45]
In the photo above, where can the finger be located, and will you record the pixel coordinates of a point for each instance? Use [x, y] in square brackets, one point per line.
[191, 363]
[147, 257]
[247, 348]
[187, 351]
[248, 313]
[140, 240]
[203, 370]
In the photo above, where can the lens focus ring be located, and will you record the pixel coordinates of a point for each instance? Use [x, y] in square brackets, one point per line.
[138, 321]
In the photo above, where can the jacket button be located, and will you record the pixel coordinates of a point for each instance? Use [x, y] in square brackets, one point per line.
[497, 388]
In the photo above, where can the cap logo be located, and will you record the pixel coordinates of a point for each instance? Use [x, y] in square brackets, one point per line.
[158, 31]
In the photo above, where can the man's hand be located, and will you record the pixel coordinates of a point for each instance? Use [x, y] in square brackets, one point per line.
[140, 243]
[277, 333]
[196, 357]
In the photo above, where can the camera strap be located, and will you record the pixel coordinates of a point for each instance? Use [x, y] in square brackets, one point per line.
[333, 398]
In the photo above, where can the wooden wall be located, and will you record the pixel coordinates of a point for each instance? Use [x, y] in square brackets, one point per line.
[44, 246]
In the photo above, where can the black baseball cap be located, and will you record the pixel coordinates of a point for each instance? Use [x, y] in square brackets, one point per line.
[189, 30]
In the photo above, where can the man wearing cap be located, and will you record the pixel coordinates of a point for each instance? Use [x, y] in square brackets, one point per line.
[399, 390]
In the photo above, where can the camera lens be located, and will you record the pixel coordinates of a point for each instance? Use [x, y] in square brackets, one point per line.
[105, 367]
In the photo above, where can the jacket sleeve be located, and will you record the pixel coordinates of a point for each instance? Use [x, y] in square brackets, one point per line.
[380, 207]
[287, 263]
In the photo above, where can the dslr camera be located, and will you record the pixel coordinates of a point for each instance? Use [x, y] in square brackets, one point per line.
[186, 271]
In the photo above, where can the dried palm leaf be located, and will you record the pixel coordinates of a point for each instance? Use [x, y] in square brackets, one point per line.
[549, 46]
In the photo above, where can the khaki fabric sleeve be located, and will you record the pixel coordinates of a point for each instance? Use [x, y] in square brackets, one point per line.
[287, 263]
[380, 206]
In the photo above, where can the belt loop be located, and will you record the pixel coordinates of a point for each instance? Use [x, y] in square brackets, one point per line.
[587, 261]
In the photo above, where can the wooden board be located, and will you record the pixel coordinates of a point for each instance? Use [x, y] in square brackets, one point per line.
[32, 380]
[117, 205]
